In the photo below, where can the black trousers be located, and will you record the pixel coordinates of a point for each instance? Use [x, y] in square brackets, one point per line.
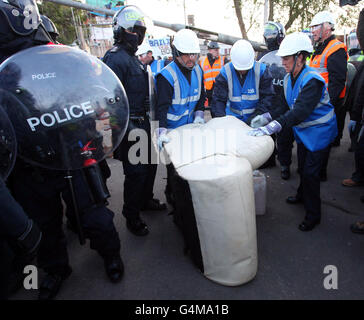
[285, 140]
[309, 166]
[40, 193]
[139, 177]
[340, 112]
[358, 175]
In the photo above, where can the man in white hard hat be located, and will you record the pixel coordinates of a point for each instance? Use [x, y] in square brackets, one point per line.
[330, 60]
[180, 90]
[145, 55]
[244, 86]
[306, 107]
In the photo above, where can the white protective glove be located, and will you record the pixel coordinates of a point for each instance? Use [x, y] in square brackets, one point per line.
[261, 120]
[269, 129]
[199, 117]
[162, 138]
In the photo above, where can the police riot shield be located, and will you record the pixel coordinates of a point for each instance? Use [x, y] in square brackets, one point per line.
[7, 145]
[152, 95]
[278, 72]
[67, 107]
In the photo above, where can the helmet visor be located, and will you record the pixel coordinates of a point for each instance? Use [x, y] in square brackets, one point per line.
[130, 18]
[353, 41]
[23, 15]
[270, 31]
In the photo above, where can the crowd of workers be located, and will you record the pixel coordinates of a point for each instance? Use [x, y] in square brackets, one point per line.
[296, 91]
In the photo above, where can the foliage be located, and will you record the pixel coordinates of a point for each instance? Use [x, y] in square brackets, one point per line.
[62, 18]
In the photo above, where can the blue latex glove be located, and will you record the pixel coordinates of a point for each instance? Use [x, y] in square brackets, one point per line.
[351, 126]
[199, 117]
[162, 138]
[269, 129]
[261, 120]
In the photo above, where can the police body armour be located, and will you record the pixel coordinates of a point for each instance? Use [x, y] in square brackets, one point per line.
[66, 106]
[7, 145]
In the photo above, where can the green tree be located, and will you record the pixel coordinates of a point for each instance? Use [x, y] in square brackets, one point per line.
[293, 14]
[62, 18]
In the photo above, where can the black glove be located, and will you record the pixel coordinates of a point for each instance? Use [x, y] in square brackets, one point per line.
[26, 245]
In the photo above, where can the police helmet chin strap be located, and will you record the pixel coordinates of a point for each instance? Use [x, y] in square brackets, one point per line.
[41, 35]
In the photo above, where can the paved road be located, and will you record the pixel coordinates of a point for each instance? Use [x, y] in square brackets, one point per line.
[290, 262]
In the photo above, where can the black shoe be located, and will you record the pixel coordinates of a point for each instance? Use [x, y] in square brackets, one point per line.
[52, 283]
[293, 200]
[114, 268]
[308, 225]
[154, 205]
[323, 176]
[285, 172]
[137, 227]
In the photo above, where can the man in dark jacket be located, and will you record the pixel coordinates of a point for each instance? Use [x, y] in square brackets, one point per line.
[139, 177]
[330, 60]
[356, 100]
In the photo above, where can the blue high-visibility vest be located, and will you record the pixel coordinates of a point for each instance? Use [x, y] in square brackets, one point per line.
[320, 128]
[243, 99]
[157, 66]
[185, 95]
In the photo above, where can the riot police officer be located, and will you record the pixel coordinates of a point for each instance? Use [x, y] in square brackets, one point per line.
[139, 178]
[273, 34]
[19, 235]
[39, 190]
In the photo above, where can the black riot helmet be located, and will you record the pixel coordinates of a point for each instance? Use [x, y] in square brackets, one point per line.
[213, 45]
[273, 35]
[129, 19]
[50, 27]
[21, 15]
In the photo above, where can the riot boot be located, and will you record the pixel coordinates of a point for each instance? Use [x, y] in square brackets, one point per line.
[114, 267]
[52, 283]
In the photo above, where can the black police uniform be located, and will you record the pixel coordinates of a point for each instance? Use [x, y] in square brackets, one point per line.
[39, 192]
[24, 237]
[139, 178]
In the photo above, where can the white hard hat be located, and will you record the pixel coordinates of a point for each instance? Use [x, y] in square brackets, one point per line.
[242, 55]
[186, 41]
[143, 48]
[293, 43]
[321, 17]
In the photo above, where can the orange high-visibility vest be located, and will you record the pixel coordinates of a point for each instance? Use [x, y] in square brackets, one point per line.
[210, 73]
[320, 61]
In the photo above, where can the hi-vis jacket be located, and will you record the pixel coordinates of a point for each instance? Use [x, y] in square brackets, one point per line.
[185, 96]
[319, 62]
[242, 99]
[157, 66]
[320, 128]
[210, 73]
